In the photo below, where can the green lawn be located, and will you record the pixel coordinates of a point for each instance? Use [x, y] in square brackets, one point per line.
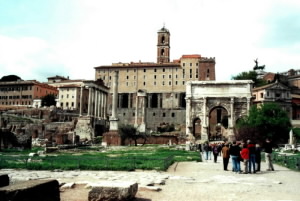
[122, 158]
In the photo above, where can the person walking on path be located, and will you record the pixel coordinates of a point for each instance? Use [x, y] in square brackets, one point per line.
[268, 154]
[207, 151]
[245, 157]
[215, 150]
[251, 147]
[257, 157]
[226, 156]
[234, 152]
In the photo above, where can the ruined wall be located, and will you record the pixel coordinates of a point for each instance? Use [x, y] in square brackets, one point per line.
[154, 117]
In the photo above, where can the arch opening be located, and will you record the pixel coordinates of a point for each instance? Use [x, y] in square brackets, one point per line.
[218, 124]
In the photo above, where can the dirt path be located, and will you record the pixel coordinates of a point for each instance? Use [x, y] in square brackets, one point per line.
[192, 181]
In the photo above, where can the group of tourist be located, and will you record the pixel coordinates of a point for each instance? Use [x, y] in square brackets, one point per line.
[249, 153]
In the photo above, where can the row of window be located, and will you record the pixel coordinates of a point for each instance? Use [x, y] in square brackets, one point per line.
[67, 96]
[16, 88]
[154, 114]
[15, 103]
[16, 97]
[155, 69]
[277, 95]
[68, 105]
[191, 64]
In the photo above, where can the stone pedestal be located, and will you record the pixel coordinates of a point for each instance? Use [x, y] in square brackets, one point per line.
[112, 138]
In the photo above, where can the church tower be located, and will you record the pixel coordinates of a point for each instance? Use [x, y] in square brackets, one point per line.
[163, 45]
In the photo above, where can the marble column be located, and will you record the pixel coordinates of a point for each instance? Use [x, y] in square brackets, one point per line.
[81, 101]
[100, 105]
[105, 96]
[90, 101]
[204, 129]
[248, 105]
[231, 112]
[96, 103]
[136, 110]
[114, 119]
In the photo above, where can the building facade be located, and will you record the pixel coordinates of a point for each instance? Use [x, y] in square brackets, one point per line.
[162, 85]
[86, 97]
[23, 93]
[274, 93]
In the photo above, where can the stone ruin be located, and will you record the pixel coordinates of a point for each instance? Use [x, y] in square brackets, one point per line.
[46, 127]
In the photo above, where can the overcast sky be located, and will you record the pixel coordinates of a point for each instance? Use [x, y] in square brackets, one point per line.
[39, 39]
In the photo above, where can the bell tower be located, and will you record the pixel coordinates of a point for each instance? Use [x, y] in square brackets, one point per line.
[163, 45]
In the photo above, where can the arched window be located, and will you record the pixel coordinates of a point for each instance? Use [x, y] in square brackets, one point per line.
[162, 52]
[163, 39]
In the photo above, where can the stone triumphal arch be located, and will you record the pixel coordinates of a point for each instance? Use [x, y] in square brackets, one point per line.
[226, 102]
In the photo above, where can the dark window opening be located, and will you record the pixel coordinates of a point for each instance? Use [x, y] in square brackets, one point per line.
[124, 101]
[154, 101]
[182, 102]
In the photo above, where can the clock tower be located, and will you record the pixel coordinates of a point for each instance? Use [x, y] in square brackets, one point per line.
[163, 45]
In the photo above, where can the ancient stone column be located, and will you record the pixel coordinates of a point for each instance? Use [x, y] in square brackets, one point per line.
[248, 105]
[136, 110]
[90, 102]
[104, 105]
[80, 101]
[96, 102]
[204, 129]
[231, 112]
[114, 119]
[99, 104]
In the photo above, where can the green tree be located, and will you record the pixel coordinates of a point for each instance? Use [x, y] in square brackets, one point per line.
[10, 78]
[268, 120]
[251, 75]
[48, 100]
[130, 132]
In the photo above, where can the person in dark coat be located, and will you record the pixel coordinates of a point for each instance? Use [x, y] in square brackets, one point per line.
[234, 152]
[268, 154]
[257, 157]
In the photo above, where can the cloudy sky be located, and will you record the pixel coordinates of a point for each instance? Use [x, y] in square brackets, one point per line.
[39, 39]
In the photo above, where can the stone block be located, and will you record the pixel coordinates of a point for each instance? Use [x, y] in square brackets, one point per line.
[4, 180]
[33, 190]
[113, 191]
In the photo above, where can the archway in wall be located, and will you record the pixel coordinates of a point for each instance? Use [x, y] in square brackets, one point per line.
[197, 128]
[218, 124]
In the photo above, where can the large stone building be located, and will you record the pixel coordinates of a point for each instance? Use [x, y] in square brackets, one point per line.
[23, 93]
[86, 97]
[153, 93]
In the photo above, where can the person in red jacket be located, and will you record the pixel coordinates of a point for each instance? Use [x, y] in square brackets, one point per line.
[245, 157]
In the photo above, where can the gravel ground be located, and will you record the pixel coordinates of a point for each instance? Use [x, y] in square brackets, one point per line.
[184, 181]
[191, 181]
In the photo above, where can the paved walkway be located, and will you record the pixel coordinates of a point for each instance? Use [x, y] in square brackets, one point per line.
[187, 181]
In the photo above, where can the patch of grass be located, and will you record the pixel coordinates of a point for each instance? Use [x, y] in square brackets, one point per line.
[124, 158]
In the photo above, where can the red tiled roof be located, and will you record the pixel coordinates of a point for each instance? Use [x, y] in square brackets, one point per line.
[196, 56]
